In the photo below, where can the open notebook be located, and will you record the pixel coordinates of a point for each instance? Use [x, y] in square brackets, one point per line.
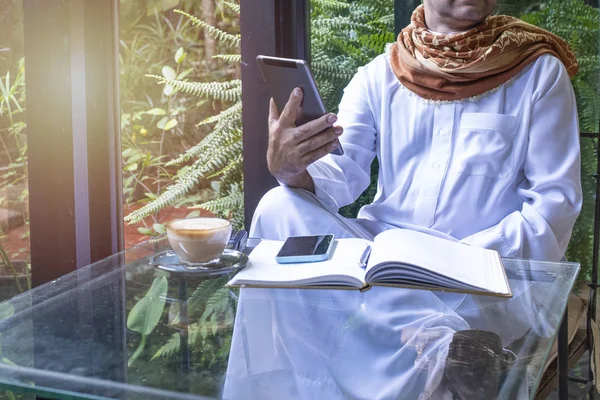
[399, 257]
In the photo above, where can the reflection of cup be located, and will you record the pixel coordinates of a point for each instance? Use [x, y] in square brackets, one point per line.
[200, 241]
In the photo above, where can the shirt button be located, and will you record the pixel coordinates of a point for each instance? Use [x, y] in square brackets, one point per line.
[437, 165]
[442, 132]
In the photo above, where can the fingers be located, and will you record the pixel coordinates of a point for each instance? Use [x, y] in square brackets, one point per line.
[319, 153]
[314, 127]
[318, 140]
[290, 112]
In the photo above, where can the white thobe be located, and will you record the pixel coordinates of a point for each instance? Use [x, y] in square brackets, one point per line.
[499, 171]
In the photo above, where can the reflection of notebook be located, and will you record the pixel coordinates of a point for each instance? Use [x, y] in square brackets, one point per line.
[399, 257]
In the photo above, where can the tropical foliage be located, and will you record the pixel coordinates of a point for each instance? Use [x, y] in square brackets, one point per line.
[218, 156]
[14, 192]
[212, 308]
[578, 24]
[346, 35]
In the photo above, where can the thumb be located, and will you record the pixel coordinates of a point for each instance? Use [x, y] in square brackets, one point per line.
[273, 113]
[290, 112]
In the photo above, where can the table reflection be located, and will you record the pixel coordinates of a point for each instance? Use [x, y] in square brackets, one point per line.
[383, 343]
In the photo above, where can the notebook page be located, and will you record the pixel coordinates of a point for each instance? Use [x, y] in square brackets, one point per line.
[472, 265]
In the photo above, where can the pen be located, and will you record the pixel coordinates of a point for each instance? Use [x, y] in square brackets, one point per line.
[364, 259]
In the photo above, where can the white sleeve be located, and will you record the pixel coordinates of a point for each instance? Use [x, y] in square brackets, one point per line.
[551, 191]
[340, 180]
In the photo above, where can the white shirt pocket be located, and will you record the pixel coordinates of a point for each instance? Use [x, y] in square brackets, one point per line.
[485, 144]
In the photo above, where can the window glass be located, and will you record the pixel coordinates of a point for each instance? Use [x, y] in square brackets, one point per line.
[14, 205]
[181, 147]
[181, 112]
[345, 35]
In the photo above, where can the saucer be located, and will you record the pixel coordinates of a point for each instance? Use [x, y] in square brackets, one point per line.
[230, 261]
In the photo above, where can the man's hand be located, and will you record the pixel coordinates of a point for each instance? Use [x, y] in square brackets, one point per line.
[292, 149]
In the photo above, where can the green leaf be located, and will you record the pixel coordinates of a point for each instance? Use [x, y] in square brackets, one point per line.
[169, 72]
[159, 228]
[180, 55]
[131, 167]
[144, 316]
[162, 123]
[145, 231]
[170, 125]
[193, 214]
[7, 361]
[127, 182]
[156, 111]
[135, 157]
[6, 310]
[184, 73]
[168, 90]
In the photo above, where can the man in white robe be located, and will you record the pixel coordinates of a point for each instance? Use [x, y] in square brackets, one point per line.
[478, 144]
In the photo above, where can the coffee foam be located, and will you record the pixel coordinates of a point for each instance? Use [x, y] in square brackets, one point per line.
[198, 228]
[198, 224]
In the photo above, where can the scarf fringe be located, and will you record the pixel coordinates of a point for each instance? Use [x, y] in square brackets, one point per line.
[472, 99]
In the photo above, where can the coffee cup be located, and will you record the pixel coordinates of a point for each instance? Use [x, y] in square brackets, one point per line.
[199, 242]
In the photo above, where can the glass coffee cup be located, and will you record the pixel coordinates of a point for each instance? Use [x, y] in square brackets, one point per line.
[199, 242]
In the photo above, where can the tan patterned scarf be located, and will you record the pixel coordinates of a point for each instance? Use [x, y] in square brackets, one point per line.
[457, 66]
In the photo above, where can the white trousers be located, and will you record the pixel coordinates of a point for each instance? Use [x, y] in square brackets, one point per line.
[385, 343]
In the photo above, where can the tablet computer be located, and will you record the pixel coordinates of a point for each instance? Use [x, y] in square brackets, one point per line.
[282, 76]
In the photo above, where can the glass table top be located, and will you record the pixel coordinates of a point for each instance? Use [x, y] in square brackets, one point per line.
[122, 328]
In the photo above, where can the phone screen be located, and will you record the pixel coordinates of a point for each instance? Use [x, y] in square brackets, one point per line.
[305, 245]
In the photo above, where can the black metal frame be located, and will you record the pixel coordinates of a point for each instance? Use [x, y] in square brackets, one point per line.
[269, 27]
[74, 155]
[73, 133]
[593, 285]
[403, 9]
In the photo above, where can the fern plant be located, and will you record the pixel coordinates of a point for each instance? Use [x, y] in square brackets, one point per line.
[346, 35]
[213, 307]
[578, 24]
[219, 154]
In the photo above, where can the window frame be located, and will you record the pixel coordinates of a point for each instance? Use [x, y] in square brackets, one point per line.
[274, 28]
[74, 155]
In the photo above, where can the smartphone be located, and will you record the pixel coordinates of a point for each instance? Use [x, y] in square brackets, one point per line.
[302, 249]
[282, 76]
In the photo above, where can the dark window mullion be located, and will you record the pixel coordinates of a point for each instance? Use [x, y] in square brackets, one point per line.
[403, 10]
[72, 128]
[268, 27]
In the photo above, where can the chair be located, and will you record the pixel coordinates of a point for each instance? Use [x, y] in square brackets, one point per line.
[574, 340]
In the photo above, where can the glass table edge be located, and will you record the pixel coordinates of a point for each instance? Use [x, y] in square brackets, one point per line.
[538, 380]
[90, 383]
